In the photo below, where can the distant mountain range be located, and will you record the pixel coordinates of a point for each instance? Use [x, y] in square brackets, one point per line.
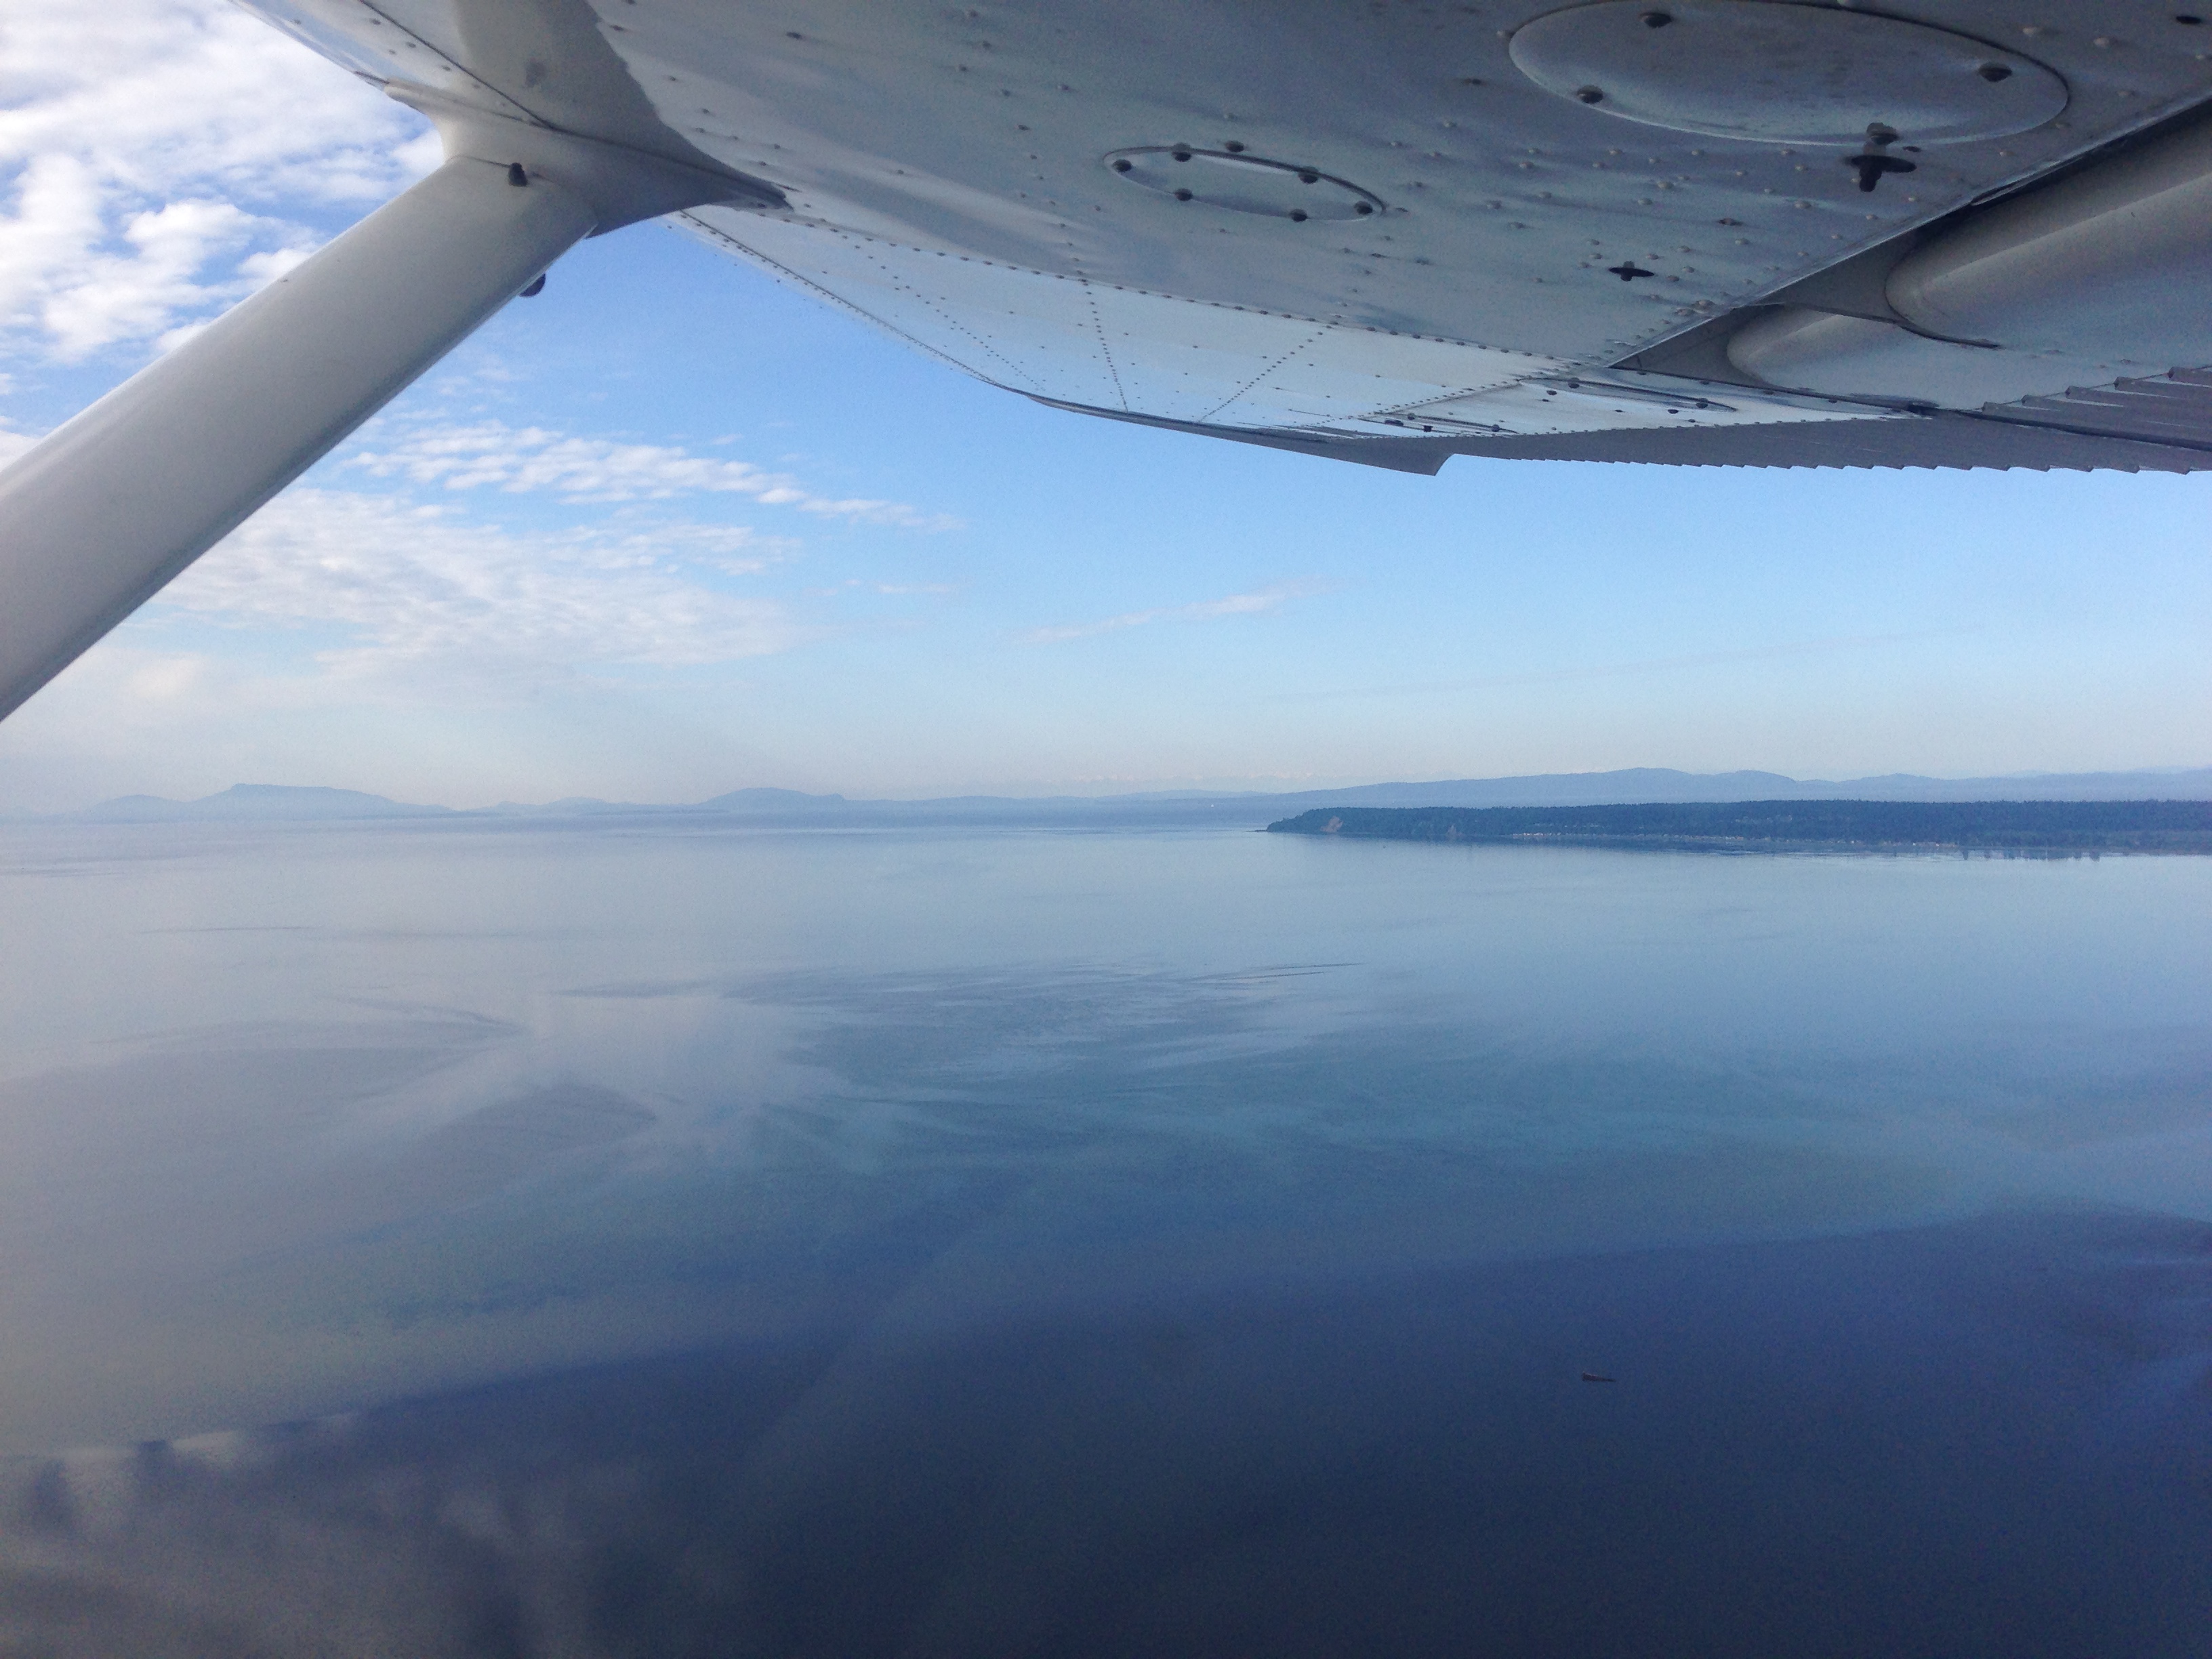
[267, 803]
[255, 803]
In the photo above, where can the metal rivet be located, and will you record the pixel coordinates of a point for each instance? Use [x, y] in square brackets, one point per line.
[1299, 215]
[1182, 195]
[1235, 147]
[1590, 95]
[1123, 165]
[1306, 177]
[1363, 208]
[1179, 154]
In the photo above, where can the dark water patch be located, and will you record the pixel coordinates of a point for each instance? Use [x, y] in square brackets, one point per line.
[1928, 1442]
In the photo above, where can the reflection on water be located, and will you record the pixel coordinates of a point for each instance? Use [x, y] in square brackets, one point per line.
[716, 1241]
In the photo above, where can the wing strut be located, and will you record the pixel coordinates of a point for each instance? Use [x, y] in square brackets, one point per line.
[106, 509]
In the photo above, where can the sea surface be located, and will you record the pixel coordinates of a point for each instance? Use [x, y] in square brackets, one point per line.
[690, 1236]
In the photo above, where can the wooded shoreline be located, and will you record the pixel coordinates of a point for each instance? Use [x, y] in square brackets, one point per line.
[2031, 828]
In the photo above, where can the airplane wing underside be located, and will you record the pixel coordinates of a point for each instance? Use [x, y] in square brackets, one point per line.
[1736, 232]
[1338, 387]
[1762, 232]
[1409, 402]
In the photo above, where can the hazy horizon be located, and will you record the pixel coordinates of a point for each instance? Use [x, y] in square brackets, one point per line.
[1086, 789]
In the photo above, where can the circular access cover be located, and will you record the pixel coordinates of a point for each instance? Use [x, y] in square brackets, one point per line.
[1765, 69]
[1242, 184]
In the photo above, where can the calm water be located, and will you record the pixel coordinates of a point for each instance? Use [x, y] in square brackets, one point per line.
[652, 1238]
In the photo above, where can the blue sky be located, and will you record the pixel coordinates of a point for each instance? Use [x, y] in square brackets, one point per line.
[671, 529]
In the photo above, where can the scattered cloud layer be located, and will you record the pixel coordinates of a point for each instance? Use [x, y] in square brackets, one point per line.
[400, 588]
[492, 455]
[162, 159]
[1256, 604]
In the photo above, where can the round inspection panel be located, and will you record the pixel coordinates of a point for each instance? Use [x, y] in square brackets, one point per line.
[1770, 70]
[1242, 184]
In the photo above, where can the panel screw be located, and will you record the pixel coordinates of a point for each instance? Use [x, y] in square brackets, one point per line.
[1590, 95]
[1179, 154]
[1235, 147]
[1306, 177]
[1994, 72]
[1123, 165]
[1182, 195]
[1363, 208]
[1298, 215]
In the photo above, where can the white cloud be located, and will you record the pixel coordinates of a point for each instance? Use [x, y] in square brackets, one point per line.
[490, 455]
[159, 271]
[133, 132]
[421, 593]
[1256, 604]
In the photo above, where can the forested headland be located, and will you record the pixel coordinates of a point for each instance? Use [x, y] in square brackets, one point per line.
[2020, 828]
